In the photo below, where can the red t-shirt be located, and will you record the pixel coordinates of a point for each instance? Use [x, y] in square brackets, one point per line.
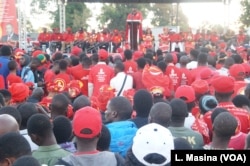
[99, 75]
[48, 76]
[237, 142]
[239, 88]
[137, 81]
[62, 80]
[2, 84]
[174, 74]
[46, 101]
[186, 77]
[130, 66]
[196, 72]
[13, 78]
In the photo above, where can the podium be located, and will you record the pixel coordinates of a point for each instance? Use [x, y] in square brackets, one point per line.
[134, 33]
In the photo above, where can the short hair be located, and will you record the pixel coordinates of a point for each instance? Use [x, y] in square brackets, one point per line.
[74, 60]
[2, 102]
[59, 104]
[13, 145]
[13, 112]
[26, 111]
[27, 161]
[122, 106]
[47, 56]
[149, 55]
[86, 61]
[95, 57]
[62, 129]
[169, 58]
[159, 52]
[179, 109]
[184, 60]
[38, 92]
[128, 54]
[12, 65]
[194, 53]
[225, 125]
[104, 140]
[162, 65]
[161, 113]
[143, 101]
[211, 61]
[5, 50]
[63, 64]
[39, 124]
[216, 112]
[202, 58]
[57, 56]
[80, 102]
[240, 101]
[181, 144]
[120, 66]
[237, 58]
[141, 62]
[6, 94]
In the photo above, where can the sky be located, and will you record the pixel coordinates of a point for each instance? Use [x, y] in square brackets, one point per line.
[197, 13]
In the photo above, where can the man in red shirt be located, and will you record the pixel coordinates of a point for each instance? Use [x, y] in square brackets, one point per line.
[186, 77]
[104, 39]
[68, 39]
[44, 38]
[116, 40]
[175, 39]
[100, 74]
[56, 39]
[129, 64]
[12, 77]
[51, 73]
[137, 76]
[223, 86]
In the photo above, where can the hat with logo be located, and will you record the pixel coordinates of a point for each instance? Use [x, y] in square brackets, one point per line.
[186, 92]
[87, 123]
[152, 145]
[103, 54]
[19, 92]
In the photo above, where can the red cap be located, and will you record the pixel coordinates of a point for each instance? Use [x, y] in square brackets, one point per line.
[75, 88]
[185, 91]
[106, 93]
[53, 87]
[129, 94]
[137, 55]
[206, 74]
[237, 70]
[87, 123]
[223, 84]
[103, 54]
[76, 51]
[19, 92]
[200, 86]
[37, 52]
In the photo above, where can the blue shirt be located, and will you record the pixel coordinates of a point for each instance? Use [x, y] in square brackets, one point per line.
[4, 70]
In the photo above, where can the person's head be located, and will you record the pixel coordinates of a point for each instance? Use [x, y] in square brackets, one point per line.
[207, 103]
[202, 59]
[241, 101]
[128, 54]
[40, 129]
[118, 109]
[169, 58]
[12, 146]
[8, 124]
[27, 161]
[59, 105]
[201, 87]
[247, 143]
[74, 60]
[237, 58]
[143, 101]
[86, 62]
[38, 93]
[9, 29]
[44, 30]
[55, 67]
[184, 61]
[216, 112]
[2, 102]
[182, 144]
[157, 142]
[26, 111]
[13, 112]
[194, 54]
[223, 92]
[19, 92]
[5, 51]
[103, 55]
[211, 61]
[7, 96]
[94, 58]
[63, 65]
[229, 62]
[141, 62]
[179, 111]
[237, 71]
[80, 102]
[162, 65]
[104, 140]
[119, 67]
[57, 56]
[246, 91]
[187, 94]
[87, 126]
[12, 65]
[35, 63]
[160, 113]
[24, 60]
[62, 129]
[224, 126]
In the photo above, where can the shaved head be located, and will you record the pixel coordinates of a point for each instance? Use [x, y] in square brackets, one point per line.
[8, 124]
[160, 113]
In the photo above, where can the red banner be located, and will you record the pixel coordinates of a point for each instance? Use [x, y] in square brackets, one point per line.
[8, 21]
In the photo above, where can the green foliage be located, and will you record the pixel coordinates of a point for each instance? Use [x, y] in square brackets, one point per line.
[245, 16]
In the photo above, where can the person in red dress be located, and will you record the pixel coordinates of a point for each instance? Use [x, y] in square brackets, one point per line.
[100, 74]
[12, 77]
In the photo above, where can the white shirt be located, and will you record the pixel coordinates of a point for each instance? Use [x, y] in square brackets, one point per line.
[223, 71]
[24, 133]
[189, 121]
[192, 65]
[118, 80]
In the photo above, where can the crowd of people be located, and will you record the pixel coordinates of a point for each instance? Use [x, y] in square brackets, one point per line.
[125, 108]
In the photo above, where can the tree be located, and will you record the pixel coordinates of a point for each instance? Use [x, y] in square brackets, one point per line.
[245, 16]
[114, 15]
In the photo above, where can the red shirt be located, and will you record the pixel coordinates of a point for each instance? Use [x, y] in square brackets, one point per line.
[56, 37]
[49, 76]
[137, 80]
[239, 88]
[62, 80]
[186, 77]
[116, 39]
[214, 38]
[174, 74]
[99, 75]
[241, 38]
[196, 72]
[176, 37]
[200, 126]
[80, 36]
[130, 66]
[2, 84]
[81, 74]
[237, 142]
[44, 37]
[46, 101]
[103, 37]
[68, 37]
[13, 78]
